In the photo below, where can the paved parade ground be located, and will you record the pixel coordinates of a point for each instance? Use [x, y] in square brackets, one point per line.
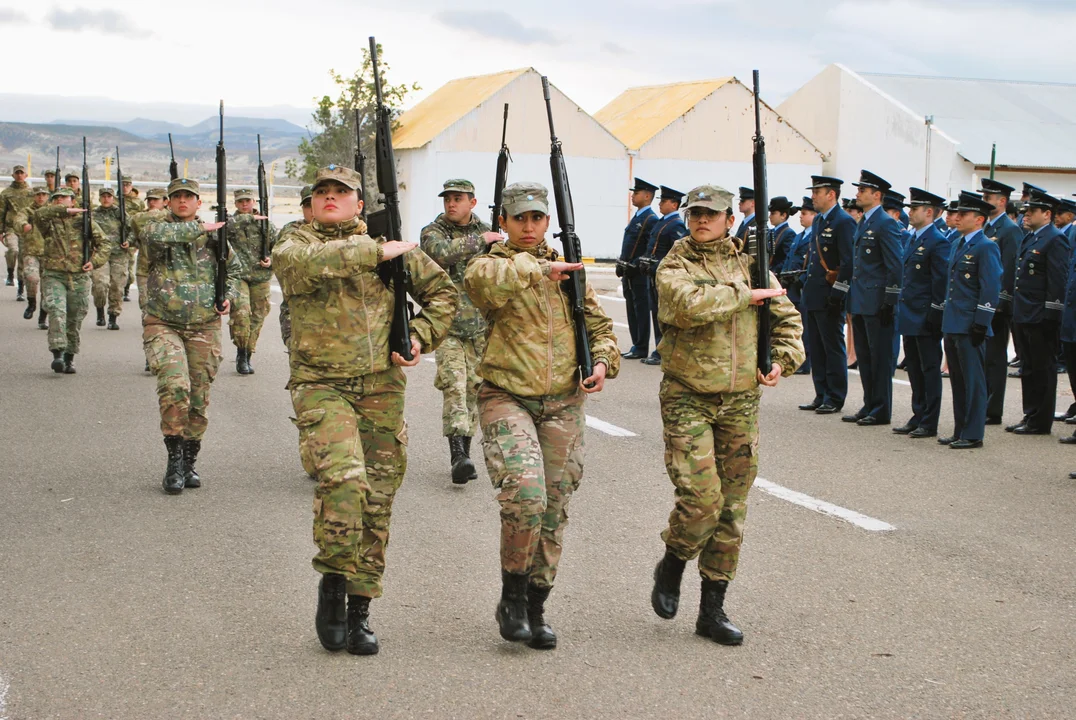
[882, 577]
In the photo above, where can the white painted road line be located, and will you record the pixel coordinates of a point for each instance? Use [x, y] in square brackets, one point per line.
[4, 687]
[898, 381]
[608, 428]
[821, 506]
[623, 325]
[611, 297]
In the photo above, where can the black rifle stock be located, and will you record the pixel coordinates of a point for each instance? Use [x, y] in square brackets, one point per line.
[221, 285]
[762, 260]
[173, 169]
[263, 202]
[502, 176]
[56, 180]
[121, 199]
[360, 164]
[576, 284]
[87, 221]
[397, 276]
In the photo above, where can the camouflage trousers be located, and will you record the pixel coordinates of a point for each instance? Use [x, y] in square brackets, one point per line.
[30, 273]
[132, 264]
[534, 455]
[457, 360]
[185, 360]
[140, 281]
[711, 455]
[248, 314]
[352, 433]
[102, 280]
[66, 300]
[11, 251]
[285, 322]
[117, 280]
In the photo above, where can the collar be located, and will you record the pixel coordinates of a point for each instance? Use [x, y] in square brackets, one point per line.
[807, 231]
[973, 236]
[344, 229]
[641, 210]
[674, 212]
[991, 221]
[870, 213]
[825, 214]
[747, 220]
[778, 228]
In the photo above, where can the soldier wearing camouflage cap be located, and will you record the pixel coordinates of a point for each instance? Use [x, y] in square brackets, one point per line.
[155, 210]
[252, 304]
[30, 249]
[531, 402]
[348, 391]
[73, 181]
[285, 313]
[710, 398]
[14, 198]
[109, 280]
[50, 179]
[452, 239]
[133, 205]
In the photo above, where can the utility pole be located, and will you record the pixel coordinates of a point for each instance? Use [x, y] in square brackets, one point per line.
[929, 120]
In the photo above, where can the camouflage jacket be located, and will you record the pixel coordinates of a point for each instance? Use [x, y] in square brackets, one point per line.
[109, 220]
[62, 240]
[133, 205]
[452, 246]
[15, 197]
[530, 348]
[181, 272]
[709, 328]
[341, 312]
[246, 239]
[31, 244]
[138, 226]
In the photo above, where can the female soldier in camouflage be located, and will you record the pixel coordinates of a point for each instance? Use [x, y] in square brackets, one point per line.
[709, 401]
[348, 393]
[531, 402]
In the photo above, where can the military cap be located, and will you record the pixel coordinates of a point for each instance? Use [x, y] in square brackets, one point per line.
[158, 193]
[996, 188]
[973, 202]
[643, 186]
[18, 168]
[747, 193]
[892, 200]
[711, 197]
[1029, 188]
[337, 173]
[50, 173]
[667, 193]
[870, 180]
[1065, 205]
[457, 185]
[823, 181]
[807, 204]
[41, 190]
[64, 191]
[126, 180]
[305, 194]
[244, 194]
[180, 184]
[1042, 200]
[922, 197]
[850, 204]
[782, 204]
[952, 206]
[70, 175]
[521, 197]
[105, 191]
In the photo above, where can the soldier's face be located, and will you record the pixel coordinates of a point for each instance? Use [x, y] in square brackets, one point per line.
[154, 203]
[641, 198]
[968, 222]
[668, 206]
[244, 205]
[823, 198]
[64, 200]
[73, 183]
[777, 217]
[1064, 219]
[526, 229]
[40, 199]
[107, 200]
[184, 205]
[806, 218]
[747, 207]
[18, 176]
[458, 207]
[998, 201]
[705, 225]
[919, 216]
[126, 188]
[50, 180]
[950, 219]
[308, 212]
[868, 197]
[1036, 218]
[334, 203]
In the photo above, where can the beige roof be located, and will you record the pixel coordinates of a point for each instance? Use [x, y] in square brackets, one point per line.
[452, 101]
[638, 114]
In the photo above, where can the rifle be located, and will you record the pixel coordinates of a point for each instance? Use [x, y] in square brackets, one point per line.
[762, 260]
[360, 165]
[87, 221]
[56, 180]
[122, 199]
[502, 176]
[221, 288]
[394, 270]
[576, 284]
[263, 202]
[173, 169]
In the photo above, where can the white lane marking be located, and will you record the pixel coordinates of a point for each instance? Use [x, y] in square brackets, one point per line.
[623, 325]
[821, 506]
[4, 687]
[611, 297]
[898, 381]
[608, 428]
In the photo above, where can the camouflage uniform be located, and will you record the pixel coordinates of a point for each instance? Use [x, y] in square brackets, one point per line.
[452, 246]
[348, 397]
[252, 305]
[710, 392]
[531, 405]
[31, 246]
[109, 286]
[133, 205]
[285, 313]
[138, 224]
[180, 326]
[14, 198]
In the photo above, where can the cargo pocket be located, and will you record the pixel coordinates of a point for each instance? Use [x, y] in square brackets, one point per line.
[497, 446]
[306, 422]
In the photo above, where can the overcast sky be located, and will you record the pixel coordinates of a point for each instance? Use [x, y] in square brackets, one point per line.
[274, 52]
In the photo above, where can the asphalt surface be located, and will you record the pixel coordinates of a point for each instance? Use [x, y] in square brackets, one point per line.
[117, 601]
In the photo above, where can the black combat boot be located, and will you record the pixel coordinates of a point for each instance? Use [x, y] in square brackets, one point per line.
[127, 292]
[174, 474]
[512, 609]
[542, 637]
[10, 277]
[69, 364]
[31, 308]
[331, 619]
[360, 638]
[20, 294]
[100, 317]
[665, 597]
[713, 623]
[58, 361]
[190, 454]
[241, 365]
[462, 467]
[41, 317]
[249, 355]
[112, 325]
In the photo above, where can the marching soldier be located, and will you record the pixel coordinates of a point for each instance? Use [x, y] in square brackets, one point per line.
[1066, 219]
[796, 263]
[30, 249]
[285, 314]
[1038, 299]
[50, 180]
[252, 303]
[970, 302]
[665, 233]
[133, 206]
[825, 290]
[531, 403]
[919, 318]
[155, 210]
[348, 393]
[14, 198]
[710, 398]
[635, 281]
[872, 300]
[893, 204]
[452, 240]
[73, 181]
[181, 325]
[781, 209]
[747, 209]
[130, 195]
[110, 280]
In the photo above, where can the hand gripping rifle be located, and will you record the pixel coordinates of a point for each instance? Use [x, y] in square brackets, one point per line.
[263, 202]
[762, 260]
[121, 200]
[360, 165]
[395, 275]
[502, 176]
[87, 221]
[221, 286]
[173, 169]
[576, 284]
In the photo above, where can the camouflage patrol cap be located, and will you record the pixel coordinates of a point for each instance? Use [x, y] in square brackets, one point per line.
[156, 193]
[64, 191]
[126, 180]
[521, 197]
[187, 184]
[41, 190]
[70, 175]
[458, 185]
[305, 193]
[244, 194]
[106, 191]
[337, 173]
[18, 168]
[50, 173]
[711, 197]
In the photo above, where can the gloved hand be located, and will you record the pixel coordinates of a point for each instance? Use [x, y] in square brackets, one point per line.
[885, 315]
[835, 305]
[977, 334]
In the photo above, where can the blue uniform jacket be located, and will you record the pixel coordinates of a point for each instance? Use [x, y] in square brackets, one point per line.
[1041, 272]
[834, 238]
[749, 221]
[1008, 237]
[926, 271]
[796, 259]
[1068, 315]
[971, 296]
[666, 232]
[637, 235]
[941, 227]
[782, 243]
[877, 277]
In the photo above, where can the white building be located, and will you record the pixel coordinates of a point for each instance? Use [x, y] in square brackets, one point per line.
[456, 133]
[691, 133]
[938, 133]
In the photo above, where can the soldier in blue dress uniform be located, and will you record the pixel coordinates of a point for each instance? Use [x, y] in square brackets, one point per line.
[794, 272]
[893, 204]
[635, 282]
[747, 209]
[667, 231]
[781, 209]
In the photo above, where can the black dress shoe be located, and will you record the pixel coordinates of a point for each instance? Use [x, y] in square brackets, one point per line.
[331, 617]
[947, 440]
[1060, 417]
[906, 429]
[802, 371]
[1015, 373]
[922, 433]
[1028, 430]
[1070, 440]
[903, 365]
[812, 406]
[633, 355]
[870, 421]
[993, 421]
[1015, 363]
[652, 360]
[1072, 475]
[852, 418]
[965, 444]
[854, 366]
[1012, 428]
[827, 409]
[1070, 420]
[945, 373]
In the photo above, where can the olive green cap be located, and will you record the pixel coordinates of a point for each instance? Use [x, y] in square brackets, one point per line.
[106, 191]
[337, 173]
[458, 185]
[70, 175]
[711, 197]
[305, 194]
[61, 192]
[158, 193]
[41, 190]
[18, 168]
[244, 194]
[187, 184]
[521, 197]
[50, 173]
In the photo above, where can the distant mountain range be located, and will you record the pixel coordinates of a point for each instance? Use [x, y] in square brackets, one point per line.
[159, 130]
